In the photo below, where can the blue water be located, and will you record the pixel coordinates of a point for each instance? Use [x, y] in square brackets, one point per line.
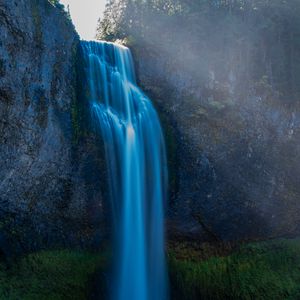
[136, 159]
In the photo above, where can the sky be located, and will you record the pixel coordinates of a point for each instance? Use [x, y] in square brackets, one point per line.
[85, 15]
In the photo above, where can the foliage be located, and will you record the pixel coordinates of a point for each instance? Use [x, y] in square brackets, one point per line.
[265, 270]
[57, 4]
[49, 275]
[258, 38]
[65, 10]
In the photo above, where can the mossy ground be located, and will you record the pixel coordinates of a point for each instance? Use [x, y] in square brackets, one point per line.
[265, 270]
[49, 275]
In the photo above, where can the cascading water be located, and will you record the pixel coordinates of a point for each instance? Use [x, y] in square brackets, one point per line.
[136, 159]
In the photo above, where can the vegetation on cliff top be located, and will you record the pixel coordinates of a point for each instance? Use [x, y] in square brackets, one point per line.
[57, 4]
[60, 6]
[264, 34]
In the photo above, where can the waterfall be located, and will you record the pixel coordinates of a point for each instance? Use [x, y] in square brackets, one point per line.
[136, 161]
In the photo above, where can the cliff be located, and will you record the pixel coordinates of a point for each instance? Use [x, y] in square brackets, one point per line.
[234, 102]
[225, 82]
[225, 77]
[46, 170]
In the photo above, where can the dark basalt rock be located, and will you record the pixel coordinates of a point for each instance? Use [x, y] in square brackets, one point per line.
[50, 194]
[235, 126]
[232, 132]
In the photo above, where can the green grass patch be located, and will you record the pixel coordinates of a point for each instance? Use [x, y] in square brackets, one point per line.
[260, 271]
[50, 275]
[264, 270]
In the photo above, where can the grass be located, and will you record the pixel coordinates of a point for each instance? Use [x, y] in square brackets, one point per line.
[49, 275]
[265, 270]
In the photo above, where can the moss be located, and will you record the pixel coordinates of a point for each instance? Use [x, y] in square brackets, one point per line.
[50, 275]
[265, 270]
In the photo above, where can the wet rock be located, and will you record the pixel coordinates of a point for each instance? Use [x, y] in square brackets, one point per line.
[234, 146]
[47, 180]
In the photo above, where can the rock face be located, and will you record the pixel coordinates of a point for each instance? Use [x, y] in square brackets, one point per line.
[229, 103]
[228, 96]
[45, 169]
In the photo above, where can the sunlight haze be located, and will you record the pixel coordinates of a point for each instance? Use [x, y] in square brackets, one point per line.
[85, 15]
